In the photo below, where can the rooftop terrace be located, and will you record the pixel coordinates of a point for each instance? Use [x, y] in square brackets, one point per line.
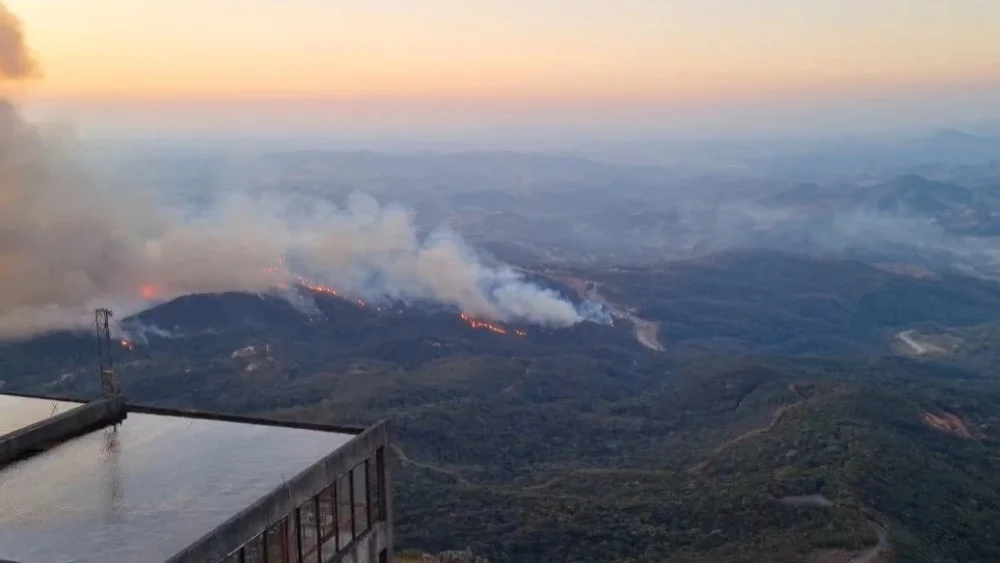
[146, 488]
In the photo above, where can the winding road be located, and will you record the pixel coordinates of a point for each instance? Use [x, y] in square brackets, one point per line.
[776, 419]
[918, 348]
[870, 555]
[646, 332]
[449, 472]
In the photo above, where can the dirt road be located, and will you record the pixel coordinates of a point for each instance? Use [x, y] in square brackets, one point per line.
[907, 338]
[449, 472]
[776, 418]
[871, 555]
[646, 332]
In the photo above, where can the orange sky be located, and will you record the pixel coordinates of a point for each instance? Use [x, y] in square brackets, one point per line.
[503, 50]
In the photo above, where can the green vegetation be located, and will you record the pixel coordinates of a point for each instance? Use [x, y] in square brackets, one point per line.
[626, 479]
[775, 396]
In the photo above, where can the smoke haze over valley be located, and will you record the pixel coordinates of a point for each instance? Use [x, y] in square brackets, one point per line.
[395, 225]
[581, 206]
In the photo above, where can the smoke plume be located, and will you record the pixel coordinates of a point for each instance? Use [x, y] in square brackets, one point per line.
[16, 61]
[70, 242]
[374, 251]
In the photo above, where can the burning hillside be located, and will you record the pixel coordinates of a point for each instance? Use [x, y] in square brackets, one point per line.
[315, 289]
[472, 322]
[73, 242]
[492, 327]
[319, 288]
[199, 322]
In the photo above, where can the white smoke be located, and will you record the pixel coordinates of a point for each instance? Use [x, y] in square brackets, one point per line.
[70, 242]
[374, 251]
[134, 330]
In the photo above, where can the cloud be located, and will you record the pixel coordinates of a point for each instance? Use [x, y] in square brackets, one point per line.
[16, 60]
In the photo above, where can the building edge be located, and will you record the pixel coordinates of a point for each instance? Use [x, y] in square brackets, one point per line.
[283, 501]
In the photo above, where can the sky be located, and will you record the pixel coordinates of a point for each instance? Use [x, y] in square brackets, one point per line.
[391, 64]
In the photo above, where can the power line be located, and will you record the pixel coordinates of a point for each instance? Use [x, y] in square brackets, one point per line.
[107, 370]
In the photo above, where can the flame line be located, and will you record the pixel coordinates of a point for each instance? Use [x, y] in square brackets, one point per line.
[325, 289]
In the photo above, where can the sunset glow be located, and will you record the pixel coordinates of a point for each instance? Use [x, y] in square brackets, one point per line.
[445, 63]
[638, 49]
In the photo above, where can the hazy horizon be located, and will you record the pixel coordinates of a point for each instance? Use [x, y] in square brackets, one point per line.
[684, 68]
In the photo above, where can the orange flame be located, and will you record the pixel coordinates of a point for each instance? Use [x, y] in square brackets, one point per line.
[476, 323]
[148, 291]
[128, 345]
[320, 288]
[308, 284]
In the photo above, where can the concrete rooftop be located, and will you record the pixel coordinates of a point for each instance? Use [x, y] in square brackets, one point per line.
[145, 489]
[19, 412]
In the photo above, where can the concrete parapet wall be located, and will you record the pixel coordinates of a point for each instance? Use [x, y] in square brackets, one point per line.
[367, 547]
[244, 526]
[50, 432]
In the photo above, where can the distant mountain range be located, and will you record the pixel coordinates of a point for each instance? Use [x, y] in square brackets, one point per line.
[909, 218]
[807, 158]
[846, 158]
[864, 198]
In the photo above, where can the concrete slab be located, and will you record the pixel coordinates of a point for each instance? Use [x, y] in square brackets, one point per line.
[146, 489]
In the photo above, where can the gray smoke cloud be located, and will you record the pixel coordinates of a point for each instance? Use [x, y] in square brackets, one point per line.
[134, 330]
[71, 241]
[16, 60]
[375, 251]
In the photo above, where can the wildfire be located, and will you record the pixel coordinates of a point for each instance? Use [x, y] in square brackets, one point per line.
[148, 291]
[320, 288]
[128, 345]
[275, 269]
[306, 283]
[485, 325]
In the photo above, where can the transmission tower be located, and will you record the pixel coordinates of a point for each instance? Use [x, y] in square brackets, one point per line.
[102, 319]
